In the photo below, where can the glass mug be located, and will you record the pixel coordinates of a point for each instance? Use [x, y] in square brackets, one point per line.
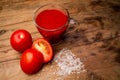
[51, 21]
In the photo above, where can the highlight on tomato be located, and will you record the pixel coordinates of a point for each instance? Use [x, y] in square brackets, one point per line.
[21, 40]
[31, 61]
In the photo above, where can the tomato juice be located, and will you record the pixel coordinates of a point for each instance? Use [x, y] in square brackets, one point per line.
[52, 23]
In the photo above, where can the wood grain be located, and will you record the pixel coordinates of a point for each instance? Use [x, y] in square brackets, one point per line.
[94, 38]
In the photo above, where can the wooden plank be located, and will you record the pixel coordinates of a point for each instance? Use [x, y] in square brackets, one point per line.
[8, 30]
[94, 64]
[89, 37]
[7, 19]
[17, 8]
[8, 74]
[10, 55]
[95, 40]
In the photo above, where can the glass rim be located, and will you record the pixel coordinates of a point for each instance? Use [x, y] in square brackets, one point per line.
[38, 26]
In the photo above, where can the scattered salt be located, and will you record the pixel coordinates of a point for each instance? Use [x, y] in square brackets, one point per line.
[73, 21]
[68, 63]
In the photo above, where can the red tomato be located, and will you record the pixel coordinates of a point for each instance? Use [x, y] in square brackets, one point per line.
[21, 40]
[31, 61]
[44, 47]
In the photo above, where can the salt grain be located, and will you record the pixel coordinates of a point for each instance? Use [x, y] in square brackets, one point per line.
[68, 63]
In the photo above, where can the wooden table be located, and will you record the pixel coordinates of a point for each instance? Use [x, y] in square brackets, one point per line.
[90, 49]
